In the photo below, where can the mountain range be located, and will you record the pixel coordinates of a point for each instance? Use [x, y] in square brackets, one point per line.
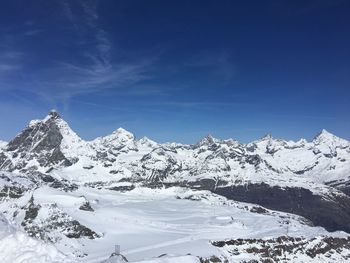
[308, 180]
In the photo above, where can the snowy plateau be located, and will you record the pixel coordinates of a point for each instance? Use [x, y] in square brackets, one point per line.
[64, 199]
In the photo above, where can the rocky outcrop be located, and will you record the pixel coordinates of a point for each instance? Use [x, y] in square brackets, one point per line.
[331, 211]
[38, 143]
[287, 249]
[54, 225]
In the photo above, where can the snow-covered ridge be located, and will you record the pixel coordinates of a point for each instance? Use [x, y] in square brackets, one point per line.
[166, 201]
[51, 146]
[2, 144]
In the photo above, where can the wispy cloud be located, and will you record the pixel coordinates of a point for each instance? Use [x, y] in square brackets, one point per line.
[93, 68]
[33, 32]
[10, 61]
[8, 67]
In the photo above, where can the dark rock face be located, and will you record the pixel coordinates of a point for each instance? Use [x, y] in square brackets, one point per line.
[64, 185]
[332, 213]
[56, 222]
[152, 172]
[31, 210]
[41, 141]
[124, 188]
[212, 259]
[86, 207]
[343, 185]
[11, 192]
[12, 189]
[76, 230]
[345, 190]
[284, 248]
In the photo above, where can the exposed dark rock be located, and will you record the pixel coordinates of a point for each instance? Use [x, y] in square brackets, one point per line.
[123, 188]
[11, 191]
[345, 190]
[47, 178]
[31, 210]
[64, 185]
[56, 222]
[114, 257]
[212, 259]
[76, 230]
[39, 140]
[285, 248]
[259, 210]
[307, 169]
[342, 185]
[253, 159]
[86, 207]
[332, 213]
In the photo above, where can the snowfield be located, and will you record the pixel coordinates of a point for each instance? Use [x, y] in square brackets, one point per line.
[17, 247]
[148, 223]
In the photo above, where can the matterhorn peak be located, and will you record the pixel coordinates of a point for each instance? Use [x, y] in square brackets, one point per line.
[53, 115]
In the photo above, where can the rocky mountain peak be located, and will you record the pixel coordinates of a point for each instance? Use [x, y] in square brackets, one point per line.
[46, 141]
[122, 135]
[54, 114]
[266, 137]
[147, 142]
[231, 142]
[208, 140]
[325, 137]
[119, 137]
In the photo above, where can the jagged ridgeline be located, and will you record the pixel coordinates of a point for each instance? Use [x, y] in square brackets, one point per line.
[47, 159]
[284, 175]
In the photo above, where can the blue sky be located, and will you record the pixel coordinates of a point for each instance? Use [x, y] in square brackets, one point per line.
[177, 70]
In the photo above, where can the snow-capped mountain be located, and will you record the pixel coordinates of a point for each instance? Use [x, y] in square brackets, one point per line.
[50, 145]
[54, 185]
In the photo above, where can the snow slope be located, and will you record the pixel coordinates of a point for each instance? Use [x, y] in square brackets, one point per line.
[145, 222]
[2, 144]
[17, 247]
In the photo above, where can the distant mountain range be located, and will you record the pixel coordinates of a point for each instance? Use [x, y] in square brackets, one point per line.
[306, 178]
[50, 146]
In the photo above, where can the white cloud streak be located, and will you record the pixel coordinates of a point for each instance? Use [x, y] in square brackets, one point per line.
[100, 71]
[10, 61]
